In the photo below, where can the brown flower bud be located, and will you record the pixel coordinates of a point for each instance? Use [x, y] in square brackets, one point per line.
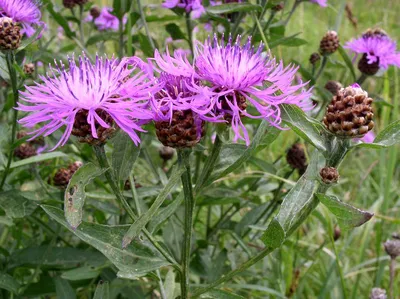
[25, 150]
[314, 58]
[377, 293]
[83, 130]
[350, 113]
[392, 248]
[166, 153]
[81, 2]
[374, 32]
[10, 35]
[29, 68]
[329, 175]
[69, 3]
[95, 12]
[366, 68]
[75, 166]
[296, 157]
[333, 87]
[64, 175]
[278, 7]
[183, 131]
[329, 43]
[336, 233]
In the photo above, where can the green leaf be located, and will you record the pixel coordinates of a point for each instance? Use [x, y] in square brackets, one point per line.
[307, 128]
[233, 7]
[74, 196]
[390, 135]
[104, 36]
[81, 273]
[102, 291]
[300, 200]
[55, 257]
[64, 289]
[124, 156]
[138, 259]
[141, 222]
[290, 41]
[26, 42]
[36, 159]
[250, 218]
[348, 61]
[15, 204]
[175, 31]
[8, 283]
[170, 285]
[347, 215]
[274, 235]
[220, 294]
[145, 45]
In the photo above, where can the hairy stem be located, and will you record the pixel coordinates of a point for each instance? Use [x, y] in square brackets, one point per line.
[102, 158]
[183, 156]
[10, 58]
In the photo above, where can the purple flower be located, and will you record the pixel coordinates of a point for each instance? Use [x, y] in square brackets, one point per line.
[103, 92]
[235, 76]
[368, 138]
[323, 3]
[377, 49]
[106, 20]
[25, 12]
[193, 6]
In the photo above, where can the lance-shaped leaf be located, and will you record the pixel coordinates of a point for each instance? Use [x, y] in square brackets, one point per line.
[36, 159]
[307, 128]
[137, 259]
[124, 155]
[74, 196]
[30, 40]
[233, 7]
[387, 137]
[300, 200]
[274, 235]
[347, 215]
[64, 289]
[348, 62]
[102, 291]
[141, 222]
[15, 204]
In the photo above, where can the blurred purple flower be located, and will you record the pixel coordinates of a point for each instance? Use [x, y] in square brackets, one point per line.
[103, 88]
[377, 48]
[368, 138]
[323, 3]
[194, 7]
[106, 20]
[236, 76]
[25, 12]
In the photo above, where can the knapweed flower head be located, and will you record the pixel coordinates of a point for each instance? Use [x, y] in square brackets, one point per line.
[195, 7]
[25, 12]
[378, 51]
[89, 100]
[235, 76]
[323, 3]
[106, 20]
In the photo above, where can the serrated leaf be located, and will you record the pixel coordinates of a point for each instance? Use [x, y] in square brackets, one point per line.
[9, 283]
[347, 61]
[16, 205]
[142, 221]
[74, 196]
[305, 127]
[36, 159]
[138, 259]
[274, 235]
[347, 215]
[124, 156]
[64, 289]
[233, 7]
[102, 291]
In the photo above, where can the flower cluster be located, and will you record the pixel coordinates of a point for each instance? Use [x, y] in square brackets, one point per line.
[25, 12]
[378, 51]
[105, 20]
[195, 7]
[226, 83]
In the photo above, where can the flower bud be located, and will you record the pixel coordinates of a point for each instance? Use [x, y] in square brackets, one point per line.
[314, 58]
[95, 12]
[29, 68]
[166, 153]
[10, 35]
[329, 175]
[350, 113]
[278, 7]
[392, 248]
[377, 293]
[336, 233]
[69, 3]
[183, 130]
[64, 175]
[333, 87]
[25, 150]
[366, 68]
[329, 43]
[296, 157]
[376, 32]
[83, 130]
[81, 2]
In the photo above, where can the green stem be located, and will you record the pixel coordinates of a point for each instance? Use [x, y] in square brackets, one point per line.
[264, 39]
[121, 37]
[10, 58]
[271, 17]
[260, 17]
[190, 32]
[134, 194]
[361, 79]
[321, 69]
[81, 32]
[146, 27]
[183, 157]
[295, 5]
[109, 174]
